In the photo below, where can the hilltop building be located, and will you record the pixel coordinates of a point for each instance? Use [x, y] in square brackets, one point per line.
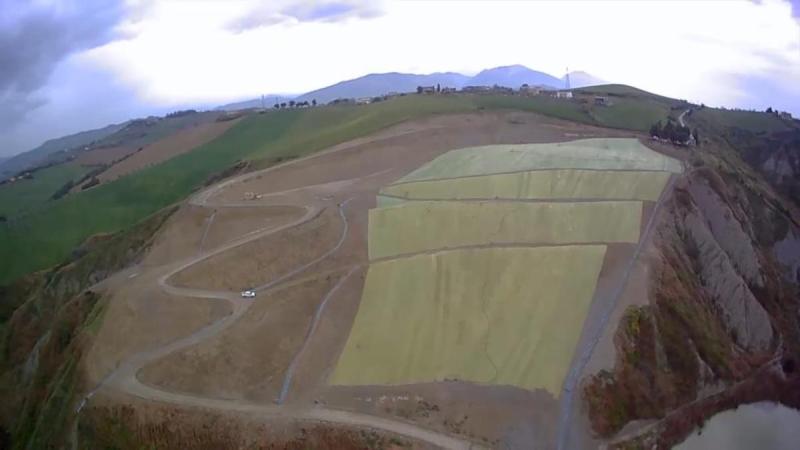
[525, 89]
[476, 89]
[600, 100]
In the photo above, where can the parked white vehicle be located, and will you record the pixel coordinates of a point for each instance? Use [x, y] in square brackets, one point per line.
[248, 294]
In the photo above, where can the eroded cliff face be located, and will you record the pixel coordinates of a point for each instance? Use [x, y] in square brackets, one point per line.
[722, 317]
[46, 320]
[726, 261]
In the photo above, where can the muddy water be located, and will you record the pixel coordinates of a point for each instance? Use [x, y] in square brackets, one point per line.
[764, 425]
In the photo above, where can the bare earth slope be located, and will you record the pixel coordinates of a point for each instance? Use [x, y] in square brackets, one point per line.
[338, 185]
[297, 233]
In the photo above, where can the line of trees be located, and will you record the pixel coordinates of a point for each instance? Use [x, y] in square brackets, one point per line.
[184, 112]
[294, 104]
[421, 89]
[674, 132]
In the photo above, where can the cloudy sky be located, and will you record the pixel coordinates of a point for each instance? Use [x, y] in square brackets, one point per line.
[69, 65]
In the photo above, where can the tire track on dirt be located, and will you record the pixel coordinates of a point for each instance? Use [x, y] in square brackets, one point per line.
[125, 376]
[314, 322]
[578, 367]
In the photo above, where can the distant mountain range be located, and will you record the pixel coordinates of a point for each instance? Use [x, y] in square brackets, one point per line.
[579, 79]
[382, 83]
[28, 159]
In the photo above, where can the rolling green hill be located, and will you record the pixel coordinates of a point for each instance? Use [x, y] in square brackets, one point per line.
[32, 157]
[32, 243]
[24, 195]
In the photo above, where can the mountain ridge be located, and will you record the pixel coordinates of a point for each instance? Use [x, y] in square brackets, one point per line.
[27, 159]
[375, 84]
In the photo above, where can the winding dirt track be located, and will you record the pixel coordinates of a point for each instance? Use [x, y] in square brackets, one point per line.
[125, 377]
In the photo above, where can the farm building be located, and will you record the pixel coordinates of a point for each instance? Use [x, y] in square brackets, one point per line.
[476, 89]
[428, 89]
[563, 94]
[601, 100]
[529, 90]
[502, 89]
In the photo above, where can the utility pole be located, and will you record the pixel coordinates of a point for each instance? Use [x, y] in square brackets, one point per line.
[566, 80]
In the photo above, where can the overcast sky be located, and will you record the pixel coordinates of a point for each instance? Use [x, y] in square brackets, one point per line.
[69, 65]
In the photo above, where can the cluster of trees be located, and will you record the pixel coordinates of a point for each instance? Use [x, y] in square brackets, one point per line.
[294, 104]
[341, 101]
[674, 132]
[421, 89]
[183, 112]
[775, 111]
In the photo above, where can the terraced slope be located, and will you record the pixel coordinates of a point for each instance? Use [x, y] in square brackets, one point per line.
[485, 261]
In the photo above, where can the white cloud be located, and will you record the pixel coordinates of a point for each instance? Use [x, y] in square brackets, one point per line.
[176, 52]
[185, 51]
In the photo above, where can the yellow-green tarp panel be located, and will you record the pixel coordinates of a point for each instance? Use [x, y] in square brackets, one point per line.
[413, 227]
[509, 316]
[537, 184]
[597, 154]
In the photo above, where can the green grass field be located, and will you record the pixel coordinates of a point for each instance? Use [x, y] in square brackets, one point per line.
[44, 238]
[752, 121]
[25, 195]
[632, 113]
[499, 316]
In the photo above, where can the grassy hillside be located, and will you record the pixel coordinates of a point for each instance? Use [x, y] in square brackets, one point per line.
[141, 132]
[24, 195]
[47, 321]
[34, 243]
[752, 121]
[30, 158]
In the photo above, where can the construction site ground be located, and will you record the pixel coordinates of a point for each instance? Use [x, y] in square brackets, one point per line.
[177, 335]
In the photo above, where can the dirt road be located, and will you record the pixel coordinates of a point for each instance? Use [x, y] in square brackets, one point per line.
[155, 368]
[124, 378]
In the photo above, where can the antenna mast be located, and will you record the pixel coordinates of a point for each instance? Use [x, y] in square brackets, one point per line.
[566, 79]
